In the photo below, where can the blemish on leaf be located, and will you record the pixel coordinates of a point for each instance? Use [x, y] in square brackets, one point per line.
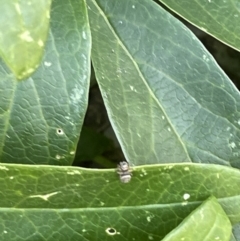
[163, 117]
[84, 35]
[186, 168]
[150, 237]
[76, 97]
[3, 168]
[72, 152]
[26, 36]
[144, 171]
[48, 64]
[11, 178]
[60, 131]
[5, 231]
[75, 172]
[58, 157]
[111, 231]
[149, 219]
[40, 43]
[44, 197]
[133, 6]
[84, 230]
[232, 145]
[186, 196]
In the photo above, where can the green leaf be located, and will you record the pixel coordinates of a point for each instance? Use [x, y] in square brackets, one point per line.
[41, 117]
[236, 232]
[24, 29]
[77, 202]
[207, 222]
[167, 99]
[219, 19]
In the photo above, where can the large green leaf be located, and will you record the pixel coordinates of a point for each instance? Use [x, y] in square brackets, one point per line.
[207, 222]
[167, 99]
[24, 29]
[41, 117]
[66, 203]
[218, 18]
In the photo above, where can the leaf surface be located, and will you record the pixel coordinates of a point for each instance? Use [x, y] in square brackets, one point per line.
[207, 222]
[84, 203]
[24, 29]
[167, 99]
[41, 117]
[217, 18]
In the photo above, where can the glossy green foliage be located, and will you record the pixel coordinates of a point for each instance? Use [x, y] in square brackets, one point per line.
[218, 18]
[24, 29]
[41, 117]
[207, 222]
[167, 99]
[59, 203]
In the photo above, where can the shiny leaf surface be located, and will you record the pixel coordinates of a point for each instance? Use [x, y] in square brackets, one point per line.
[154, 202]
[24, 29]
[41, 117]
[167, 99]
[218, 18]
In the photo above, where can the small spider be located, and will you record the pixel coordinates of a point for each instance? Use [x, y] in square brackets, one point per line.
[124, 171]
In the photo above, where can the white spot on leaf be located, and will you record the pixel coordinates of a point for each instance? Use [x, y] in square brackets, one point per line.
[40, 43]
[186, 196]
[74, 172]
[48, 64]
[150, 237]
[58, 157]
[76, 97]
[4, 168]
[84, 35]
[44, 197]
[232, 145]
[26, 36]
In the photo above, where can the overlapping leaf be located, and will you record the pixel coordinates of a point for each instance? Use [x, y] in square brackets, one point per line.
[218, 18]
[207, 222]
[24, 29]
[166, 97]
[75, 202]
[41, 117]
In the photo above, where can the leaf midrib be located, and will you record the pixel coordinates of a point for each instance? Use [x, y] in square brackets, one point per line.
[141, 76]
